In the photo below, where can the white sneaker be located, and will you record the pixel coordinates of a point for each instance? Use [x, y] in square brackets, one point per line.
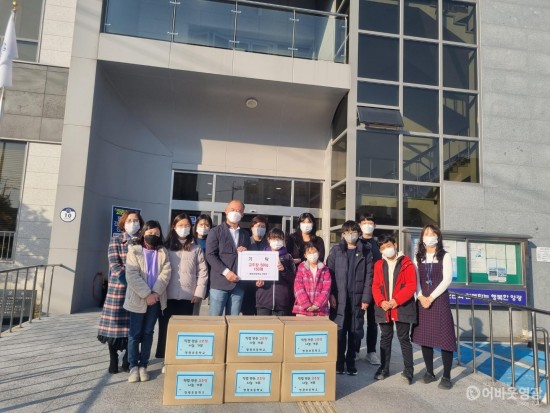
[134, 375]
[163, 369]
[373, 359]
[143, 375]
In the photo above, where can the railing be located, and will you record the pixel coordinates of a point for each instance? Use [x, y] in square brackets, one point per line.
[21, 278]
[238, 25]
[6, 245]
[534, 330]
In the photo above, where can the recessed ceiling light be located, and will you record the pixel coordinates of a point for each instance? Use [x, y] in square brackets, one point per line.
[268, 198]
[278, 189]
[251, 103]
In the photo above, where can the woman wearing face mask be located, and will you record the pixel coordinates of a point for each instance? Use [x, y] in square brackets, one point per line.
[148, 273]
[304, 233]
[187, 285]
[276, 297]
[114, 321]
[312, 285]
[258, 242]
[202, 227]
[435, 320]
[351, 278]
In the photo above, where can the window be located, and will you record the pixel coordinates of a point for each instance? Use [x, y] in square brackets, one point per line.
[420, 205]
[420, 63]
[338, 205]
[339, 154]
[461, 160]
[28, 21]
[192, 187]
[377, 155]
[377, 93]
[421, 18]
[379, 198]
[420, 159]
[12, 159]
[378, 57]
[420, 110]
[379, 15]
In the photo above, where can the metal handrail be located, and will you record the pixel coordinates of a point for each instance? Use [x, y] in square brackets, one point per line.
[288, 8]
[534, 329]
[26, 271]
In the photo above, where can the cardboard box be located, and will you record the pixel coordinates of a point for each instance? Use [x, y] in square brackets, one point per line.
[196, 339]
[254, 340]
[252, 383]
[309, 340]
[308, 382]
[193, 384]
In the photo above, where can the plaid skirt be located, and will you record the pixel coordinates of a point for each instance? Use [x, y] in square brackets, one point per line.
[115, 321]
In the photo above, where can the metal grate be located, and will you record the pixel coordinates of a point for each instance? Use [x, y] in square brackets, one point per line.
[317, 407]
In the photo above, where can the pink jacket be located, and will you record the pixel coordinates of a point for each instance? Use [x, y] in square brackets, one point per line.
[309, 292]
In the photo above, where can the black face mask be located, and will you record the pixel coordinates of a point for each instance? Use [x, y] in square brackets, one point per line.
[152, 240]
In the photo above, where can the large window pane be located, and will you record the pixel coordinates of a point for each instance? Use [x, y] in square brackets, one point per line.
[420, 110]
[459, 21]
[420, 159]
[420, 205]
[338, 205]
[377, 93]
[421, 18]
[340, 120]
[151, 19]
[459, 67]
[379, 15]
[338, 162]
[192, 187]
[253, 190]
[420, 63]
[380, 199]
[265, 30]
[307, 194]
[378, 57]
[377, 155]
[460, 114]
[27, 26]
[205, 23]
[461, 160]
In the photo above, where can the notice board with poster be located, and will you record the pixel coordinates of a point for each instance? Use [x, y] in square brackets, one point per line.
[490, 266]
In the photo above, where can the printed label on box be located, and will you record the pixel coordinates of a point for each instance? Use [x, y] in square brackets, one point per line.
[194, 385]
[195, 346]
[255, 343]
[311, 344]
[253, 383]
[308, 383]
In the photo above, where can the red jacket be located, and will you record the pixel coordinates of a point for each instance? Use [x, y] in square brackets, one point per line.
[404, 287]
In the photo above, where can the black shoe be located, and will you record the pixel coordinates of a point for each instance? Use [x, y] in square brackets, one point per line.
[429, 378]
[445, 383]
[352, 371]
[339, 369]
[381, 374]
[407, 376]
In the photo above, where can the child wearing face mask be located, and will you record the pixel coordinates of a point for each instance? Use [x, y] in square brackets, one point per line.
[275, 297]
[148, 272]
[312, 285]
[393, 289]
[187, 285]
[351, 277]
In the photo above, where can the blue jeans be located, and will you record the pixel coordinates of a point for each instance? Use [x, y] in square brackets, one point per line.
[142, 327]
[229, 300]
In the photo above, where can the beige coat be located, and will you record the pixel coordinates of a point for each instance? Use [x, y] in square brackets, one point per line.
[138, 290]
[189, 274]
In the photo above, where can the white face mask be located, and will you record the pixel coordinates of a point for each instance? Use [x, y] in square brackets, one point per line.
[203, 230]
[234, 217]
[183, 231]
[430, 241]
[131, 228]
[306, 227]
[367, 229]
[351, 238]
[313, 258]
[258, 231]
[389, 252]
[276, 244]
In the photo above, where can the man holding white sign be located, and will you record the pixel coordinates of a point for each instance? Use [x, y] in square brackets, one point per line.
[222, 246]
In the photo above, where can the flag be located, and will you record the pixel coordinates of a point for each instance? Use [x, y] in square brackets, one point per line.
[8, 53]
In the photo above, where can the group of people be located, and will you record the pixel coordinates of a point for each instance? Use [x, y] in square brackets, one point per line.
[152, 278]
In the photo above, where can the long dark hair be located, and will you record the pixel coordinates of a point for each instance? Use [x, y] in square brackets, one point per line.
[200, 218]
[152, 224]
[439, 250]
[173, 243]
[298, 232]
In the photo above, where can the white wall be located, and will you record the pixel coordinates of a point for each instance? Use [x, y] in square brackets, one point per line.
[57, 32]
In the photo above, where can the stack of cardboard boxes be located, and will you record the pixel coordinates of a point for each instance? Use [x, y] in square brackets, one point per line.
[267, 359]
[195, 360]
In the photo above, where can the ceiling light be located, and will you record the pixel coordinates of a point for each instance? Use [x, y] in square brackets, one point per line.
[251, 103]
